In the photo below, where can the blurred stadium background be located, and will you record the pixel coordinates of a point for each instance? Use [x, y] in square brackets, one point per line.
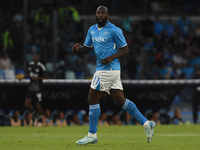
[163, 37]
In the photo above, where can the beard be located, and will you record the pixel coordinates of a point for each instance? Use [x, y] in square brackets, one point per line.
[103, 22]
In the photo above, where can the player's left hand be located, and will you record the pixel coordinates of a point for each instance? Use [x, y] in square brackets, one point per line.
[106, 60]
[75, 47]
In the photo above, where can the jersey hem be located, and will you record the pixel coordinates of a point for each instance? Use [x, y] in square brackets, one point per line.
[88, 46]
[122, 46]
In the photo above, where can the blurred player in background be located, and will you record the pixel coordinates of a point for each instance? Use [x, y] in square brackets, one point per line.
[36, 72]
[109, 44]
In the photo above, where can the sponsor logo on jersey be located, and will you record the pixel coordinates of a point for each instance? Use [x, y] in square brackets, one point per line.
[99, 39]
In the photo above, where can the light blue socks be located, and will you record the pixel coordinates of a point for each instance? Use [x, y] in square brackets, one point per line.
[132, 109]
[94, 117]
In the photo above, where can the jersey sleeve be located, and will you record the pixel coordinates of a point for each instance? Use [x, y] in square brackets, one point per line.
[44, 73]
[88, 40]
[43, 70]
[119, 38]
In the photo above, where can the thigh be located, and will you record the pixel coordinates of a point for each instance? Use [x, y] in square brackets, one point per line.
[117, 96]
[94, 96]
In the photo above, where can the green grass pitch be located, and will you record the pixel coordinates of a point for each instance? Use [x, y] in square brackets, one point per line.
[166, 137]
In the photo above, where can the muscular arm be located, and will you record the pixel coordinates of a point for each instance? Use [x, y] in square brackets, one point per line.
[82, 49]
[121, 52]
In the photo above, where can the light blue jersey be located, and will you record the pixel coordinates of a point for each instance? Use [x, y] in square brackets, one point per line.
[106, 41]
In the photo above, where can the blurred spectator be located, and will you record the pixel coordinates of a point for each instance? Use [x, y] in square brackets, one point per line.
[155, 117]
[103, 120]
[47, 118]
[126, 119]
[149, 44]
[7, 40]
[170, 27]
[178, 59]
[60, 121]
[178, 74]
[68, 13]
[4, 119]
[162, 71]
[184, 24]
[188, 72]
[86, 120]
[115, 120]
[164, 117]
[177, 118]
[28, 120]
[42, 16]
[14, 120]
[5, 62]
[74, 120]
[158, 26]
[127, 23]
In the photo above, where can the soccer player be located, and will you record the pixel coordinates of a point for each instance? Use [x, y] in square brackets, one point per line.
[36, 72]
[109, 44]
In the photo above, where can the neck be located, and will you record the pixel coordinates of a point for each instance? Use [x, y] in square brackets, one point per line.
[100, 25]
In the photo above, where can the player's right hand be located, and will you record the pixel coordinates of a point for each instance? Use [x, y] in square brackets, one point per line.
[75, 47]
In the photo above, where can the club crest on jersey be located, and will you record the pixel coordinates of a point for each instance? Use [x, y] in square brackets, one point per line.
[105, 32]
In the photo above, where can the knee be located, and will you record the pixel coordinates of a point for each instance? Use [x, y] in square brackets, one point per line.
[119, 102]
[92, 101]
